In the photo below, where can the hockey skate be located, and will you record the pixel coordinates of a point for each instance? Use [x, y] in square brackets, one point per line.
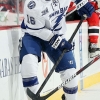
[92, 49]
[63, 97]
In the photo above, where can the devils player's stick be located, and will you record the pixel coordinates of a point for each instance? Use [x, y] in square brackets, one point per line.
[59, 59]
[31, 95]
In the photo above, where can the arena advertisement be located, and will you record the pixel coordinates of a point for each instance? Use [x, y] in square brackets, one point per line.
[11, 12]
[10, 78]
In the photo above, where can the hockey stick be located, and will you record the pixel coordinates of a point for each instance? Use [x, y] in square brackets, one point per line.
[59, 59]
[31, 95]
[78, 6]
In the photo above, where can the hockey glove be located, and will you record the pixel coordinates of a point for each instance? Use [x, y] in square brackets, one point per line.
[87, 9]
[57, 42]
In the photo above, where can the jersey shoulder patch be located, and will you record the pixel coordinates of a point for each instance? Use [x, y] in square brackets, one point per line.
[31, 4]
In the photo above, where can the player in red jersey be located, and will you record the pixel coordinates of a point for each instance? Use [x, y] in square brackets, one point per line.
[93, 26]
[93, 29]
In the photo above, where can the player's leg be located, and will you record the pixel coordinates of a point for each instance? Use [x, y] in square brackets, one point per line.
[93, 30]
[30, 54]
[29, 70]
[71, 88]
[66, 68]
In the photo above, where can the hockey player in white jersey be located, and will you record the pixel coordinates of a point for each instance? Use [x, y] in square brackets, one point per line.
[44, 27]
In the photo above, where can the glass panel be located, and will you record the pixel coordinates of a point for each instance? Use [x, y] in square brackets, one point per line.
[11, 12]
[20, 7]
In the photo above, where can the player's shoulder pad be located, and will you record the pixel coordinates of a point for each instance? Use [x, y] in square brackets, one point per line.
[31, 4]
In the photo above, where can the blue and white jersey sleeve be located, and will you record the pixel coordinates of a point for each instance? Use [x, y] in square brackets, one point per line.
[33, 22]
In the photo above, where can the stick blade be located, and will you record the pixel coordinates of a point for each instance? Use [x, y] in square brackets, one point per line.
[33, 96]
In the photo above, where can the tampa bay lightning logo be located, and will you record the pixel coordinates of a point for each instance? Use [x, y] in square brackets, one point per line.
[31, 4]
[57, 21]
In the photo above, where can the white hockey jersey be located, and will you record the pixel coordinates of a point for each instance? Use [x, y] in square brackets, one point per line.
[44, 19]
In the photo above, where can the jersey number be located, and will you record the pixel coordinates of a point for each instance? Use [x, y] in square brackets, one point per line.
[30, 20]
